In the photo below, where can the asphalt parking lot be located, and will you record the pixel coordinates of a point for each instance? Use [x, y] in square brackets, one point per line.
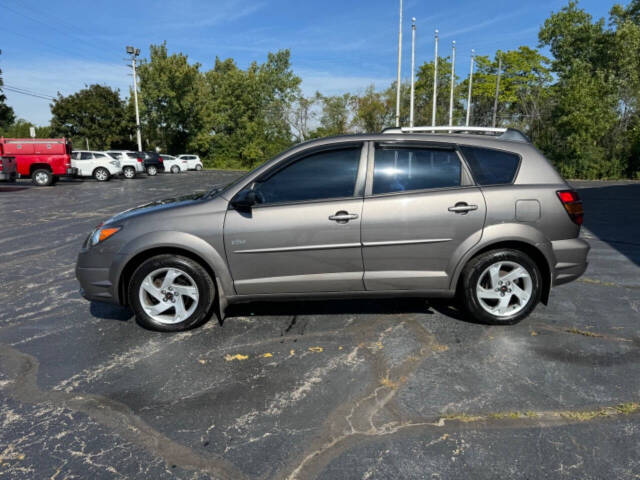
[344, 389]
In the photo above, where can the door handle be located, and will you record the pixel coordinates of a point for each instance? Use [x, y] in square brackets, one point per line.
[343, 216]
[462, 207]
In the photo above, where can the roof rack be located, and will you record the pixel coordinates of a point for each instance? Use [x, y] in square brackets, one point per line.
[511, 134]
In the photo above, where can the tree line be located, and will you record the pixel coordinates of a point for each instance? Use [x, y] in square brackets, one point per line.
[580, 107]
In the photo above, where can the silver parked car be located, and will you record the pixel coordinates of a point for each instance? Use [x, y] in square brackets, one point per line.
[484, 218]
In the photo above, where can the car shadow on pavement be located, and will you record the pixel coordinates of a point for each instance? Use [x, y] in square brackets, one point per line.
[109, 311]
[612, 213]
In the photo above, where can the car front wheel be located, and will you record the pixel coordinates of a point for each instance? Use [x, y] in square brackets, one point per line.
[171, 293]
[501, 287]
[198, 167]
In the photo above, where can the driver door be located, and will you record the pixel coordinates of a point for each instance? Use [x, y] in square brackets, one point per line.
[303, 235]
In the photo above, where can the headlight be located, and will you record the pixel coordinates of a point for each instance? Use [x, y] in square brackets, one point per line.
[102, 233]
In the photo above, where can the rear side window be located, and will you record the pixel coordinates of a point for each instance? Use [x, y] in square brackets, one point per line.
[323, 175]
[406, 169]
[86, 156]
[99, 155]
[491, 167]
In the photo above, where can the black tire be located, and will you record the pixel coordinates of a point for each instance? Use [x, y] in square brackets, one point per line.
[129, 172]
[101, 174]
[42, 177]
[198, 168]
[152, 170]
[175, 169]
[471, 276]
[202, 279]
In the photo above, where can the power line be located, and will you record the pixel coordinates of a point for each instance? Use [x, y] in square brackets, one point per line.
[28, 90]
[13, 90]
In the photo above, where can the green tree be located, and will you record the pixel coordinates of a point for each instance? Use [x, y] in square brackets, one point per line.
[373, 110]
[247, 114]
[7, 115]
[335, 116]
[21, 129]
[96, 113]
[172, 98]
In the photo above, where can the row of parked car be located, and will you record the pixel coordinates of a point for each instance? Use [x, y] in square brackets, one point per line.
[46, 160]
[104, 165]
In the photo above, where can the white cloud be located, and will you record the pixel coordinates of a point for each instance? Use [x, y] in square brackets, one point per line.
[66, 77]
[330, 84]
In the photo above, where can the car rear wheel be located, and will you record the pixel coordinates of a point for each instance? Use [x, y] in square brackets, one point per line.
[42, 177]
[198, 167]
[152, 171]
[171, 293]
[101, 174]
[175, 169]
[501, 287]
[129, 172]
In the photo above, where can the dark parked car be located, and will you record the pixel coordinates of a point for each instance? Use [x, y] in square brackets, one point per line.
[152, 162]
[483, 218]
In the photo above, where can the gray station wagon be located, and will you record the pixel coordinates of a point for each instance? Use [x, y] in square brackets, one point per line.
[479, 215]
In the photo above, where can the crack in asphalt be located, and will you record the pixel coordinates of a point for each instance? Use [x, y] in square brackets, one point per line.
[22, 370]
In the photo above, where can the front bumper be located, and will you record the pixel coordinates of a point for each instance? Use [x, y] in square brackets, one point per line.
[95, 284]
[71, 172]
[571, 259]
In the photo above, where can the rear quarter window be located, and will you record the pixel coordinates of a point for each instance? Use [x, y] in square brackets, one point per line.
[491, 167]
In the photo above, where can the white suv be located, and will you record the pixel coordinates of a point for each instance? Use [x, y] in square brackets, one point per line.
[193, 161]
[173, 164]
[130, 162]
[99, 165]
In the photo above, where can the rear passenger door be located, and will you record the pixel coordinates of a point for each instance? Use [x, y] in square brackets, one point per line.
[421, 213]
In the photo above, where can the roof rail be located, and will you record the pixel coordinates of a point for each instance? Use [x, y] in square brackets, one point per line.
[511, 134]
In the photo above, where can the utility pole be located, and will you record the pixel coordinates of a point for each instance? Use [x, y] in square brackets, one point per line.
[453, 81]
[495, 101]
[435, 84]
[134, 52]
[473, 52]
[399, 68]
[413, 69]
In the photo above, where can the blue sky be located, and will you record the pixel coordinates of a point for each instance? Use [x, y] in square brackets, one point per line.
[336, 46]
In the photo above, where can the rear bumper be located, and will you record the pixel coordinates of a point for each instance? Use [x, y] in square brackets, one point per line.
[7, 176]
[571, 259]
[70, 172]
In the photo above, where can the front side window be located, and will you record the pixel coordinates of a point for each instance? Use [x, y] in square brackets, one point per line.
[491, 167]
[407, 169]
[319, 176]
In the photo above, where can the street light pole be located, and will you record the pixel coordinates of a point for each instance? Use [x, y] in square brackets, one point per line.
[435, 84]
[473, 52]
[453, 81]
[413, 69]
[134, 52]
[399, 68]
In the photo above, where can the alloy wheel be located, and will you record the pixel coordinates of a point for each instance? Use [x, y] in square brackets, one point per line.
[169, 295]
[504, 288]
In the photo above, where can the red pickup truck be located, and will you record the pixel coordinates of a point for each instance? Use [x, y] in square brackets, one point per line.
[44, 160]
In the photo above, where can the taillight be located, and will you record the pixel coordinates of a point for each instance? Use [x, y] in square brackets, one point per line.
[572, 204]
[1, 165]
[139, 159]
[161, 159]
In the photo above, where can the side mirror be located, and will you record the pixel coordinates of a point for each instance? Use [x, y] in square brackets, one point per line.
[244, 200]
